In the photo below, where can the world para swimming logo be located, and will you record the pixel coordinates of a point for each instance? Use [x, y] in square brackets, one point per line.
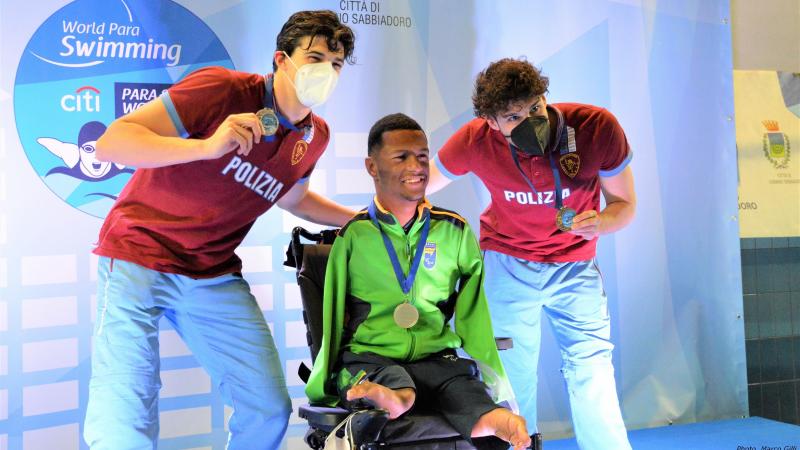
[89, 63]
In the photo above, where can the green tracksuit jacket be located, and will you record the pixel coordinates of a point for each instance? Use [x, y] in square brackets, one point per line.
[362, 291]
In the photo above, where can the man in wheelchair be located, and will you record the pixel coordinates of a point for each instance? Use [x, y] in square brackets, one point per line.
[398, 272]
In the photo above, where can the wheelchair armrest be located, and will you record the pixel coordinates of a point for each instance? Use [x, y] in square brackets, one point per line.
[504, 343]
[366, 425]
[322, 417]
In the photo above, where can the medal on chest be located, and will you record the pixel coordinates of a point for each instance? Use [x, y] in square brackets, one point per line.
[405, 315]
[570, 164]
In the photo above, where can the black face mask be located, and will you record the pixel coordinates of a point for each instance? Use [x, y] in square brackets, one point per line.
[532, 135]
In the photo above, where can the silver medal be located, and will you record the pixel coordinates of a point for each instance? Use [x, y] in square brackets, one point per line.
[269, 121]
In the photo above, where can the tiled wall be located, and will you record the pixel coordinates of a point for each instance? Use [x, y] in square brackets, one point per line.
[771, 288]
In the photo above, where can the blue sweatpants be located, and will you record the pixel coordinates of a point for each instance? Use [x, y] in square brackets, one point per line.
[220, 322]
[572, 299]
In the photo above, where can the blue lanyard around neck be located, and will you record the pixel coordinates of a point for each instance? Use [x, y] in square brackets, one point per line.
[560, 134]
[406, 282]
[269, 102]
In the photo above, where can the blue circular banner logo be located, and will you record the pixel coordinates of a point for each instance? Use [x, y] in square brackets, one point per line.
[88, 64]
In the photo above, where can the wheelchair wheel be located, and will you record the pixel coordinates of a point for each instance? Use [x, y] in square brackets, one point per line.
[315, 438]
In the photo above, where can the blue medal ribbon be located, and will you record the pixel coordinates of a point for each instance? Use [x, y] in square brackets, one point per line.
[565, 215]
[561, 141]
[406, 282]
[269, 102]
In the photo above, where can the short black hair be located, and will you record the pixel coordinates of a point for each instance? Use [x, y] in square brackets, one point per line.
[323, 23]
[392, 122]
[505, 83]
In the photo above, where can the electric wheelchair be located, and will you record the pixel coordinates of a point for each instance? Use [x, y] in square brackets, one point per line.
[371, 429]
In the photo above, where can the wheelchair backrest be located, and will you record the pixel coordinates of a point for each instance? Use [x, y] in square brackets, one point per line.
[311, 278]
[311, 261]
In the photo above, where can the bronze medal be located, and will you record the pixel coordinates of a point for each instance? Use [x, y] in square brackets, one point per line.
[564, 218]
[406, 315]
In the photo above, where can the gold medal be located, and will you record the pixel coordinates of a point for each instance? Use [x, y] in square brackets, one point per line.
[406, 315]
[564, 218]
[269, 121]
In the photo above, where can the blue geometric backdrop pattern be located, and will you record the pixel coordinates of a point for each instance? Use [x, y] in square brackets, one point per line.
[673, 276]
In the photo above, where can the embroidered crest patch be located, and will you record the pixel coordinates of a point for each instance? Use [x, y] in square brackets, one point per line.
[570, 164]
[300, 149]
[429, 255]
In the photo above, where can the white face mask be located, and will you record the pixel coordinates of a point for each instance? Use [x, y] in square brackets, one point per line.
[314, 82]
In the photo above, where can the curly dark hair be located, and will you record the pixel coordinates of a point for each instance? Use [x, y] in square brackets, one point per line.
[323, 23]
[504, 83]
[392, 122]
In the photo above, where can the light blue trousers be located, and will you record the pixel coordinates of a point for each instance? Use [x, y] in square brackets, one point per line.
[571, 296]
[220, 322]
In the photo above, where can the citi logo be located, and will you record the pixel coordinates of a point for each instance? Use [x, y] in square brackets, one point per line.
[85, 99]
